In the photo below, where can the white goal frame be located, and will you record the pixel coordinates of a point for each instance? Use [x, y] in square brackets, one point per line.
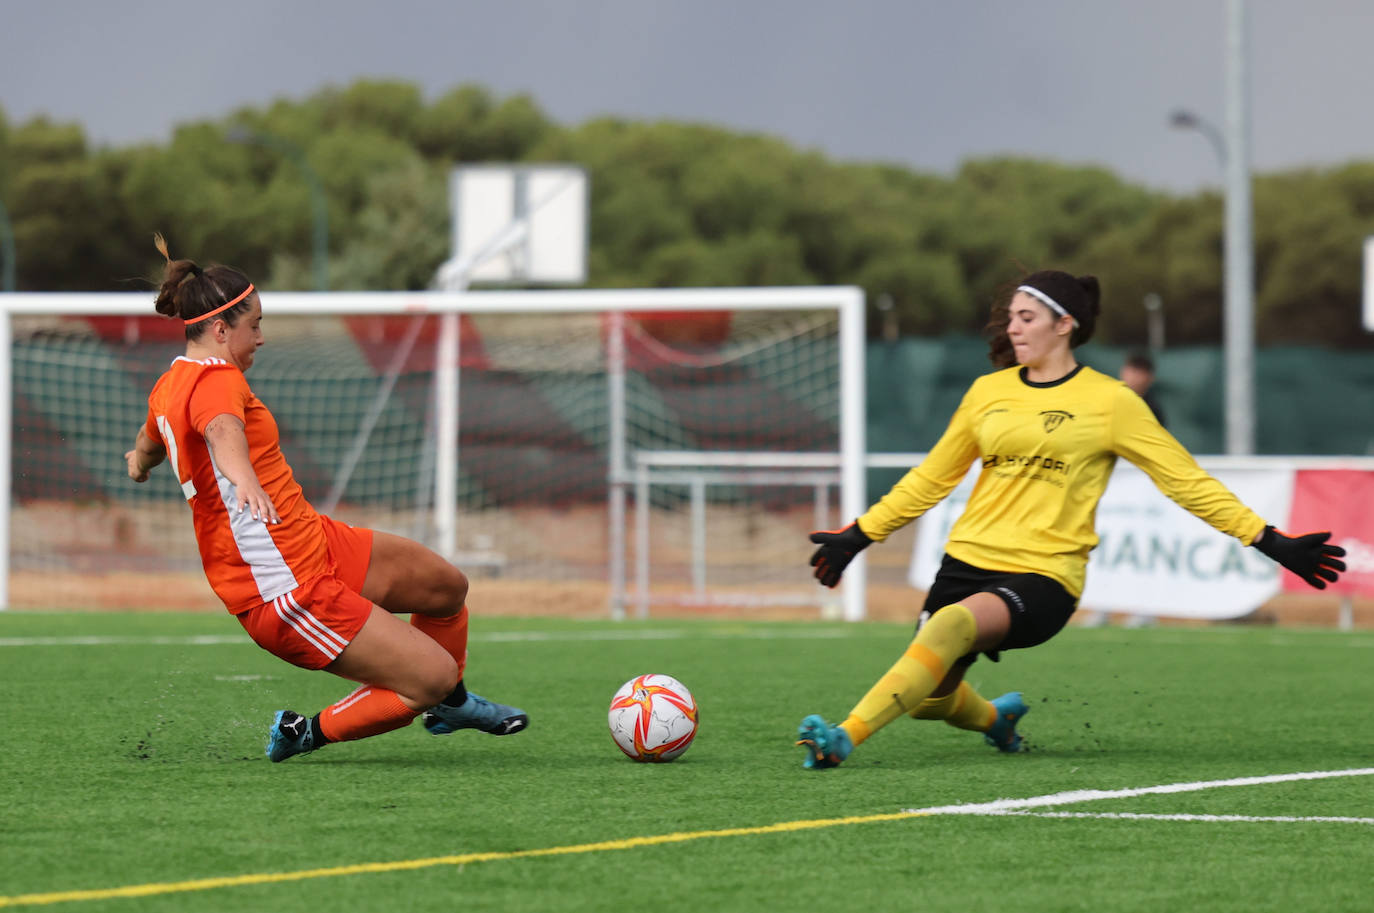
[846, 301]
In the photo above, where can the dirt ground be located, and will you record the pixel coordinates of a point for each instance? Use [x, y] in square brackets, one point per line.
[591, 600]
[112, 557]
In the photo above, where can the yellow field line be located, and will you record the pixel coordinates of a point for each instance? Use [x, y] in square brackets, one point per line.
[206, 884]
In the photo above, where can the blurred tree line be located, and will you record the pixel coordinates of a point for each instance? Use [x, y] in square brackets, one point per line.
[675, 204]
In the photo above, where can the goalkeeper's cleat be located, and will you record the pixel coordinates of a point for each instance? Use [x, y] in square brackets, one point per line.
[826, 746]
[1002, 734]
[289, 736]
[475, 713]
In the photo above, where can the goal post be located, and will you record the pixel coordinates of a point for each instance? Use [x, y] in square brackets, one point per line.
[504, 437]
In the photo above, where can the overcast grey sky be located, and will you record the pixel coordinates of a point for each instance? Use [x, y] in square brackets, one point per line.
[926, 83]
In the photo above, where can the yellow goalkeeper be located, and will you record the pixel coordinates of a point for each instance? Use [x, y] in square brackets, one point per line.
[1048, 431]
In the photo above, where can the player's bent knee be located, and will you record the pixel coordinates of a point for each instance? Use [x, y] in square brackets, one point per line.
[437, 683]
[445, 592]
[456, 586]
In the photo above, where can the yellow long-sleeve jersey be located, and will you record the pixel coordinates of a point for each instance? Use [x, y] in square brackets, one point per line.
[1047, 451]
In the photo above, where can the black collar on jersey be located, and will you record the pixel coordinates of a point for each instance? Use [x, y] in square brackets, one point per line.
[1047, 383]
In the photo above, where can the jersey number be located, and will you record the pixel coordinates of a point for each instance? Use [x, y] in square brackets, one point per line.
[188, 487]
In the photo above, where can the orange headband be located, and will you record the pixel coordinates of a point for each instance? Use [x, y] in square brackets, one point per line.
[223, 307]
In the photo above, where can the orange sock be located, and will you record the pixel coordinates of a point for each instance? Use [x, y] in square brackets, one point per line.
[451, 633]
[369, 710]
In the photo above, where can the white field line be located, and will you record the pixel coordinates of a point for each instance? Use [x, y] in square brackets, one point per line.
[1006, 806]
[1287, 819]
[116, 640]
[1205, 638]
[724, 633]
[1001, 807]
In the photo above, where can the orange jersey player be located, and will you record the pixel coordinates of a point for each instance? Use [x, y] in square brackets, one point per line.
[248, 562]
[313, 591]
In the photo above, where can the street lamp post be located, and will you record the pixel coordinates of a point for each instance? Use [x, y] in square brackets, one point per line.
[1240, 271]
[320, 259]
[1232, 151]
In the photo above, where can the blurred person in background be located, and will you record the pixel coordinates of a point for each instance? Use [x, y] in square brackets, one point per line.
[1138, 373]
[314, 592]
[1048, 432]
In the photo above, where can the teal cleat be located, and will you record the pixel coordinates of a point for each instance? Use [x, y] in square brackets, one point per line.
[289, 736]
[1003, 734]
[475, 713]
[826, 746]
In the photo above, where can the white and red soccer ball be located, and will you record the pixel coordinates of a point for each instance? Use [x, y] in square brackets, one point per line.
[653, 718]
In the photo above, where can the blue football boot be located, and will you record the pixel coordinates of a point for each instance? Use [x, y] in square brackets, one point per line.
[826, 746]
[1003, 734]
[289, 736]
[475, 713]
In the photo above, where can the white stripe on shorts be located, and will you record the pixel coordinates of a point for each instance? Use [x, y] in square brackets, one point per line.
[305, 616]
[308, 627]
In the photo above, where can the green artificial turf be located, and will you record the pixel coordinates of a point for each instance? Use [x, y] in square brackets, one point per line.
[138, 760]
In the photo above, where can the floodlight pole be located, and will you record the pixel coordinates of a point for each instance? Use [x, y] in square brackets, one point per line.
[1232, 151]
[1240, 308]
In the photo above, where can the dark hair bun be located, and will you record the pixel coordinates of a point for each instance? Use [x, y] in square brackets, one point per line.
[1093, 292]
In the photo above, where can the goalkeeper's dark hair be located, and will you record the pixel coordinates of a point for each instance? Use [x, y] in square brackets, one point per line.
[1080, 296]
[188, 292]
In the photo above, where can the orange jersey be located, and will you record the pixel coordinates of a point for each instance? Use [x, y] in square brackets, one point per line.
[247, 561]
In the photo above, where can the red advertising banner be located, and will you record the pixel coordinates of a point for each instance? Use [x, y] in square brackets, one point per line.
[1341, 500]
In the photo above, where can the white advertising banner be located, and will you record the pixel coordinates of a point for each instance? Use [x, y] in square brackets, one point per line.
[1153, 557]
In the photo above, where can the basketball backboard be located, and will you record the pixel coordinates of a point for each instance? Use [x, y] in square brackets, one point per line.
[517, 224]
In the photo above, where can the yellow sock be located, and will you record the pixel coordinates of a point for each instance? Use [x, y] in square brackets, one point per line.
[963, 708]
[947, 636]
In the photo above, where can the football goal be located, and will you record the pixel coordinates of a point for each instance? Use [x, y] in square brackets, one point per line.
[529, 436]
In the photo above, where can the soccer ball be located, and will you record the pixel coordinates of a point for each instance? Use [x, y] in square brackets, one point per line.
[653, 718]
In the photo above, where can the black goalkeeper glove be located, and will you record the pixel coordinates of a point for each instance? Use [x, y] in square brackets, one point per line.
[837, 548]
[1307, 556]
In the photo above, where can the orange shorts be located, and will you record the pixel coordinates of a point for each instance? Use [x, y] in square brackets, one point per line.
[310, 626]
[350, 549]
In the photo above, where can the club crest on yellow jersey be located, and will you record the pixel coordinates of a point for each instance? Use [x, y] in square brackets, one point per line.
[1053, 418]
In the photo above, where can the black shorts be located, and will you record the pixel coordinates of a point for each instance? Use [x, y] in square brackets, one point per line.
[1040, 606]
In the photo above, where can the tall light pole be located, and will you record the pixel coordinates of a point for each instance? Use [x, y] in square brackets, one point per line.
[1240, 271]
[320, 258]
[1232, 151]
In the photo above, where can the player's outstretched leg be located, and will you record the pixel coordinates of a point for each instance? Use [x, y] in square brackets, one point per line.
[1010, 708]
[474, 712]
[291, 734]
[826, 745]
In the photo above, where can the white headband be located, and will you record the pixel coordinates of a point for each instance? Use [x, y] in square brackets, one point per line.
[1050, 302]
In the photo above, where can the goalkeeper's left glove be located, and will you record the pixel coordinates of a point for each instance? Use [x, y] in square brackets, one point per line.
[837, 548]
[1307, 556]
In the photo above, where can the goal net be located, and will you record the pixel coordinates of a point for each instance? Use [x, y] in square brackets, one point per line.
[571, 451]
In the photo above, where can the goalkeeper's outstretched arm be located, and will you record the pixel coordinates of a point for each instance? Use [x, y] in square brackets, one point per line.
[146, 454]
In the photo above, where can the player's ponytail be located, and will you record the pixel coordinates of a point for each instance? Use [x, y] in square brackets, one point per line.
[175, 273]
[1090, 305]
[189, 292]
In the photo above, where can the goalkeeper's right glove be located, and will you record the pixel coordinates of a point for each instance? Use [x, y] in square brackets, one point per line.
[837, 548]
